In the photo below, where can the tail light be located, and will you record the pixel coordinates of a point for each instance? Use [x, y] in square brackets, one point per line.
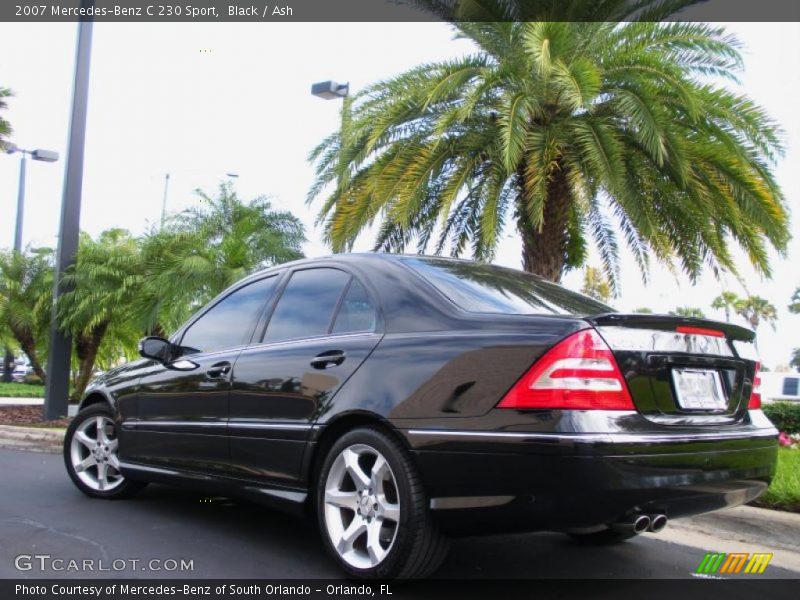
[578, 373]
[755, 393]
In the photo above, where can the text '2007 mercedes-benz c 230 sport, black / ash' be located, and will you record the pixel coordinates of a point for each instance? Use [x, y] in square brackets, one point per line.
[404, 399]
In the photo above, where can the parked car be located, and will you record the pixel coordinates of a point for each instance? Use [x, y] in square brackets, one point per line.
[403, 399]
[780, 387]
[21, 372]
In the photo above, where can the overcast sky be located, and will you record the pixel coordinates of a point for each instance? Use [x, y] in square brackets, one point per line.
[202, 100]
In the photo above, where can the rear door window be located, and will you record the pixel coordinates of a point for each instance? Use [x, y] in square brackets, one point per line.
[306, 307]
[356, 313]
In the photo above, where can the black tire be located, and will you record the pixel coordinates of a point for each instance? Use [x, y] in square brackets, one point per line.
[122, 486]
[606, 537]
[418, 548]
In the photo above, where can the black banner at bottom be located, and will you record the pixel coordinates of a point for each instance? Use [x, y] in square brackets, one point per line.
[311, 589]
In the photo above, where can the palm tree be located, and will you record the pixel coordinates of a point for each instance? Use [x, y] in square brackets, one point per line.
[688, 311]
[97, 308]
[794, 307]
[5, 127]
[795, 362]
[595, 285]
[726, 301]
[576, 131]
[26, 284]
[205, 249]
[755, 309]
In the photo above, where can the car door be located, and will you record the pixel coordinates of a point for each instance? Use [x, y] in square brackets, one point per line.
[323, 326]
[183, 404]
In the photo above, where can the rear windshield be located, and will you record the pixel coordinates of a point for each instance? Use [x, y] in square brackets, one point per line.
[484, 288]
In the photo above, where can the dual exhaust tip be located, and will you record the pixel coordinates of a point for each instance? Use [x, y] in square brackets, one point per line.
[641, 523]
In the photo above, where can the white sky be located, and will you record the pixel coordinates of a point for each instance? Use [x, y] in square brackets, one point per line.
[201, 100]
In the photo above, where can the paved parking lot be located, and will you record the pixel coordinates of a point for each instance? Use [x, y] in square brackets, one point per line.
[42, 513]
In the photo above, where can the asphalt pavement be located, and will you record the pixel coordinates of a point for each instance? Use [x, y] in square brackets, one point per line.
[43, 514]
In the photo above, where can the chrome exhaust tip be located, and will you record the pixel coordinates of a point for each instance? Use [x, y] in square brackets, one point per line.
[657, 523]
[635, 523]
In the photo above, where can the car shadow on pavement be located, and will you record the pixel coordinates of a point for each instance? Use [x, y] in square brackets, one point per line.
[263, 532]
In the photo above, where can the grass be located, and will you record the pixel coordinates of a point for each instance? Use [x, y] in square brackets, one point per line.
[21, 390]
[784, 493]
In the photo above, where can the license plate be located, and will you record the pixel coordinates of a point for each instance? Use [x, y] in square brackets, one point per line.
[699, 389]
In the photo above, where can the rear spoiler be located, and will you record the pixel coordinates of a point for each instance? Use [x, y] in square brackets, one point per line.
[670, 323]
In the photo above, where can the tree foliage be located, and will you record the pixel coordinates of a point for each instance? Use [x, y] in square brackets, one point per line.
[205, 249]
[26, 286]
[755, 310]
[726, 301]
[5, 126]
[122, 287]
[595, 285]
[576, 132]
[688, 311]
[794, 307]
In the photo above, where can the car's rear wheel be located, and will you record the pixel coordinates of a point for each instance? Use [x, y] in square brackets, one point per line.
[91, 454]
[373, 511]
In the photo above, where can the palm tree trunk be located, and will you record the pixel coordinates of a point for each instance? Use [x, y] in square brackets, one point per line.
[544, 252]
[86, 348]
[27, 342]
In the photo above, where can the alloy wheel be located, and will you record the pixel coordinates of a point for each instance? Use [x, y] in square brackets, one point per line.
[93, 453]
[362, 506]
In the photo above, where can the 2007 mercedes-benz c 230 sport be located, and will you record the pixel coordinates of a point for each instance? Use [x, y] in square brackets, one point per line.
[404, 398]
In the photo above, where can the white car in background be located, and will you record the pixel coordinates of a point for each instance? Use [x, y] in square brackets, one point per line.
[777, 386]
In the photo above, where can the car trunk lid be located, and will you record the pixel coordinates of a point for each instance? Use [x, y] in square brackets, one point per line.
[680, 370]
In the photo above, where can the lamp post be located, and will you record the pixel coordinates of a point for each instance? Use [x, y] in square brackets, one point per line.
[40, 155]
[332, 90]
[167, 177]
[58, 364]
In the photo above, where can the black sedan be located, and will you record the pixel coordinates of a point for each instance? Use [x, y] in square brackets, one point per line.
[402, 399]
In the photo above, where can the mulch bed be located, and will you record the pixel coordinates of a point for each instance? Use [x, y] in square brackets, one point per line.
[28, 416]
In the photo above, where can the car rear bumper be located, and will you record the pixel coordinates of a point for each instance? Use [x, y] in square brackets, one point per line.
[485, 482]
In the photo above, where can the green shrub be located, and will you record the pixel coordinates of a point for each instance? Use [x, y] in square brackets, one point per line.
[784, 415]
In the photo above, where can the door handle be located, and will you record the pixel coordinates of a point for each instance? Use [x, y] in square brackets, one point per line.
[219, 370]
[326, 360]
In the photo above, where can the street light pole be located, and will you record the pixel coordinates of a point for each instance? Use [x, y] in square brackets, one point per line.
[58, 364]
[20, 202]
[164, 201]
[331, 90]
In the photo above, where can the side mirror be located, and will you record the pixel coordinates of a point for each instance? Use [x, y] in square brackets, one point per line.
[156, 348]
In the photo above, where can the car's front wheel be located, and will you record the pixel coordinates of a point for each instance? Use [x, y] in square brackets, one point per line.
[91, 455]
[373, 510]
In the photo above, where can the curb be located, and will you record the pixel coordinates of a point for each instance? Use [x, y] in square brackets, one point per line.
[31, 439]
[31, 434]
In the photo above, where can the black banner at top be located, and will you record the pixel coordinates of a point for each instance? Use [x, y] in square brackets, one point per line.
[156, 11]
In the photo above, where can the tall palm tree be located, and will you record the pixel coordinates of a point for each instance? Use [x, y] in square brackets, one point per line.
[727, 302]
[576, 131]
[26, 284]
[755, 310]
